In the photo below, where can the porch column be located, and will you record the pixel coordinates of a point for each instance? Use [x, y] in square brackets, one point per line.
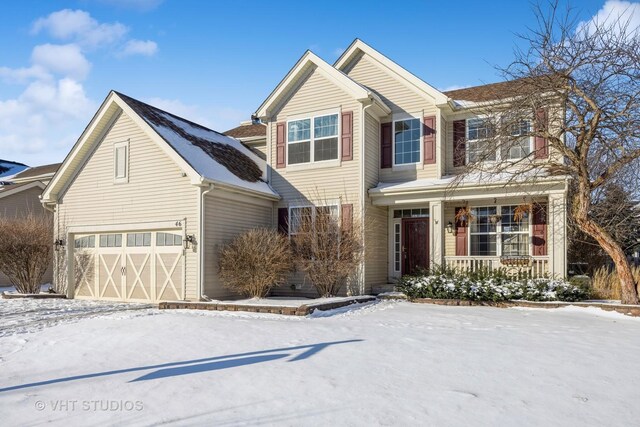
[436, 232]
[557, 235]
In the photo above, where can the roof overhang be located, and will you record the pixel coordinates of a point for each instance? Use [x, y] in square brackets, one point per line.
[21, 188]
[408, 78]
[310, 62]
[448, 189]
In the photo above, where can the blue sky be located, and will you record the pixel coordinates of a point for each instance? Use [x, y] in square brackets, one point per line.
[215, 62]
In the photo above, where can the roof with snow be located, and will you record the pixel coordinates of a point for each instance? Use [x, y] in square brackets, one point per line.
[216, 157]
[9, 168]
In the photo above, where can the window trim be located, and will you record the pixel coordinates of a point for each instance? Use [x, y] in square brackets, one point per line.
[312, 139]
[499, 232]
[393, 142]
[116, 147]
[313, 207]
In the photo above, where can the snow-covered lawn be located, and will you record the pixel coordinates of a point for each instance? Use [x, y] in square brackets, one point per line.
[388, 363]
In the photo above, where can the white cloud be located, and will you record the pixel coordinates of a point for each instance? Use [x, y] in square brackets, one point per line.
[614, 12]
[45, 117]
[80, 27]
[140, 47]
[24, 75]
[66, 59]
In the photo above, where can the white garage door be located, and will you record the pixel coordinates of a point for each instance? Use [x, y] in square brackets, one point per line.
[134, 266]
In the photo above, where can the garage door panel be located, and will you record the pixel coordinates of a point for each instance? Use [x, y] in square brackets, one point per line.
[110, 276]
[169, 276]
[84, 270]
[138, 276]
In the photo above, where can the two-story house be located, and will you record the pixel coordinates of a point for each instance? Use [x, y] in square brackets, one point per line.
[365, 132]
[145, 199]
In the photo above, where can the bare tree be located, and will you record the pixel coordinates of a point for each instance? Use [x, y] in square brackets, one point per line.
[576, 87]
[256, 261]
[25, 250]
[327, 247]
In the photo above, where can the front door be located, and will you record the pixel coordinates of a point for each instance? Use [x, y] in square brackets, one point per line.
[415, 245]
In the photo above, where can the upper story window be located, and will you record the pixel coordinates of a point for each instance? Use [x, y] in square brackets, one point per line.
[479, 130]
[516, 140]
[317, 143]
[406, 141]
[121, 162]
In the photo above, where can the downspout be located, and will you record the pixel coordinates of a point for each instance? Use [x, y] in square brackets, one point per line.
[201, 295]
[362, 184]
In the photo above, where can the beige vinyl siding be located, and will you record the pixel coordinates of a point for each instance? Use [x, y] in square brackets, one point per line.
[402, 100]
[225, 218]
[376, 234]
[449, 238]
[156, 191]
[260, 148]
[21, 203]
[315, 184]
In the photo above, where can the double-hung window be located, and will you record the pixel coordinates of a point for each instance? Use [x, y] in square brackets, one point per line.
[406, 141]
[313, 139]
[518, 144]
[497, 231]
[479, 131]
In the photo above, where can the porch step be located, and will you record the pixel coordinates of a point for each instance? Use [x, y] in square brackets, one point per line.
[379, 289]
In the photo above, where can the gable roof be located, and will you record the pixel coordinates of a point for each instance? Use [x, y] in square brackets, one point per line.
[248, 130]
[340, 79]
[410, 79]
[11, 188]
[205, 155]
[494, 91]
[43, 171]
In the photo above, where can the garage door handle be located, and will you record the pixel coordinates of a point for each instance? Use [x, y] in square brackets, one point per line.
[122, 269]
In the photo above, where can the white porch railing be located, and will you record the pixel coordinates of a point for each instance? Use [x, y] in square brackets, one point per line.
[529, 266]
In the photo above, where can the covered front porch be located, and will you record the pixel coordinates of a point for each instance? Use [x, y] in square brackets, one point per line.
[469, 229]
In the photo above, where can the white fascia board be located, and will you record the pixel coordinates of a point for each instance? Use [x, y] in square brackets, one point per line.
[417, 83]
[337, 77]
[240, 190]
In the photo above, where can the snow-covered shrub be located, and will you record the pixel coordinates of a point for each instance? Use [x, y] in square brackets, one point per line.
[26, 245]
[487, 286]
[255, 261]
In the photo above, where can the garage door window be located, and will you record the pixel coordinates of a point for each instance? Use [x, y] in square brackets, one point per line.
[168, 239]
[111, 240]
[138, 239]
[86, 242]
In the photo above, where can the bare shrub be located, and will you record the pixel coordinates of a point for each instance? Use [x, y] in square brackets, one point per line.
[255, 262]
[606, 284]
[328, 248]
[25, 250]
[83, 269]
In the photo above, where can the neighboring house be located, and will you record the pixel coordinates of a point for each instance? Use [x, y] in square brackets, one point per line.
[369, 138]
[20, 195]
[8, 169]
[252, 134]
[149, 198]
[145, 199]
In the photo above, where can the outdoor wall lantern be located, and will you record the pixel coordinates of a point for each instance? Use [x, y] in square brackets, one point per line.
[450, 227]
[189, 240]
[58, 244]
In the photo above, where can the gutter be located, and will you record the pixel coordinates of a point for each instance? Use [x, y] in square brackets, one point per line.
[201, 201]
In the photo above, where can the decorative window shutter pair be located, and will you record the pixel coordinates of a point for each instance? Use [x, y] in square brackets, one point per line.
[346, 140]
[428, 142]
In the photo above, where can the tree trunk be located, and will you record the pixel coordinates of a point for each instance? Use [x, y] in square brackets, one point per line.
[629, 293]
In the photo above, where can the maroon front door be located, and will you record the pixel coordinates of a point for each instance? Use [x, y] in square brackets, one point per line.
[415, 245]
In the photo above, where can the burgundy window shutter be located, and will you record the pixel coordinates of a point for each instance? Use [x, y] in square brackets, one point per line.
[429, 139]
[281, 145]
[541, 145]
[539, 234]
[386, 140]
[461, 236]
[346, 140]
[459, 145]
[347, 217]
[283, 220]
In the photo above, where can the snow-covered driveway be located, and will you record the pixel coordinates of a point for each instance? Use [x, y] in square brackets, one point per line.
[391, 363]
